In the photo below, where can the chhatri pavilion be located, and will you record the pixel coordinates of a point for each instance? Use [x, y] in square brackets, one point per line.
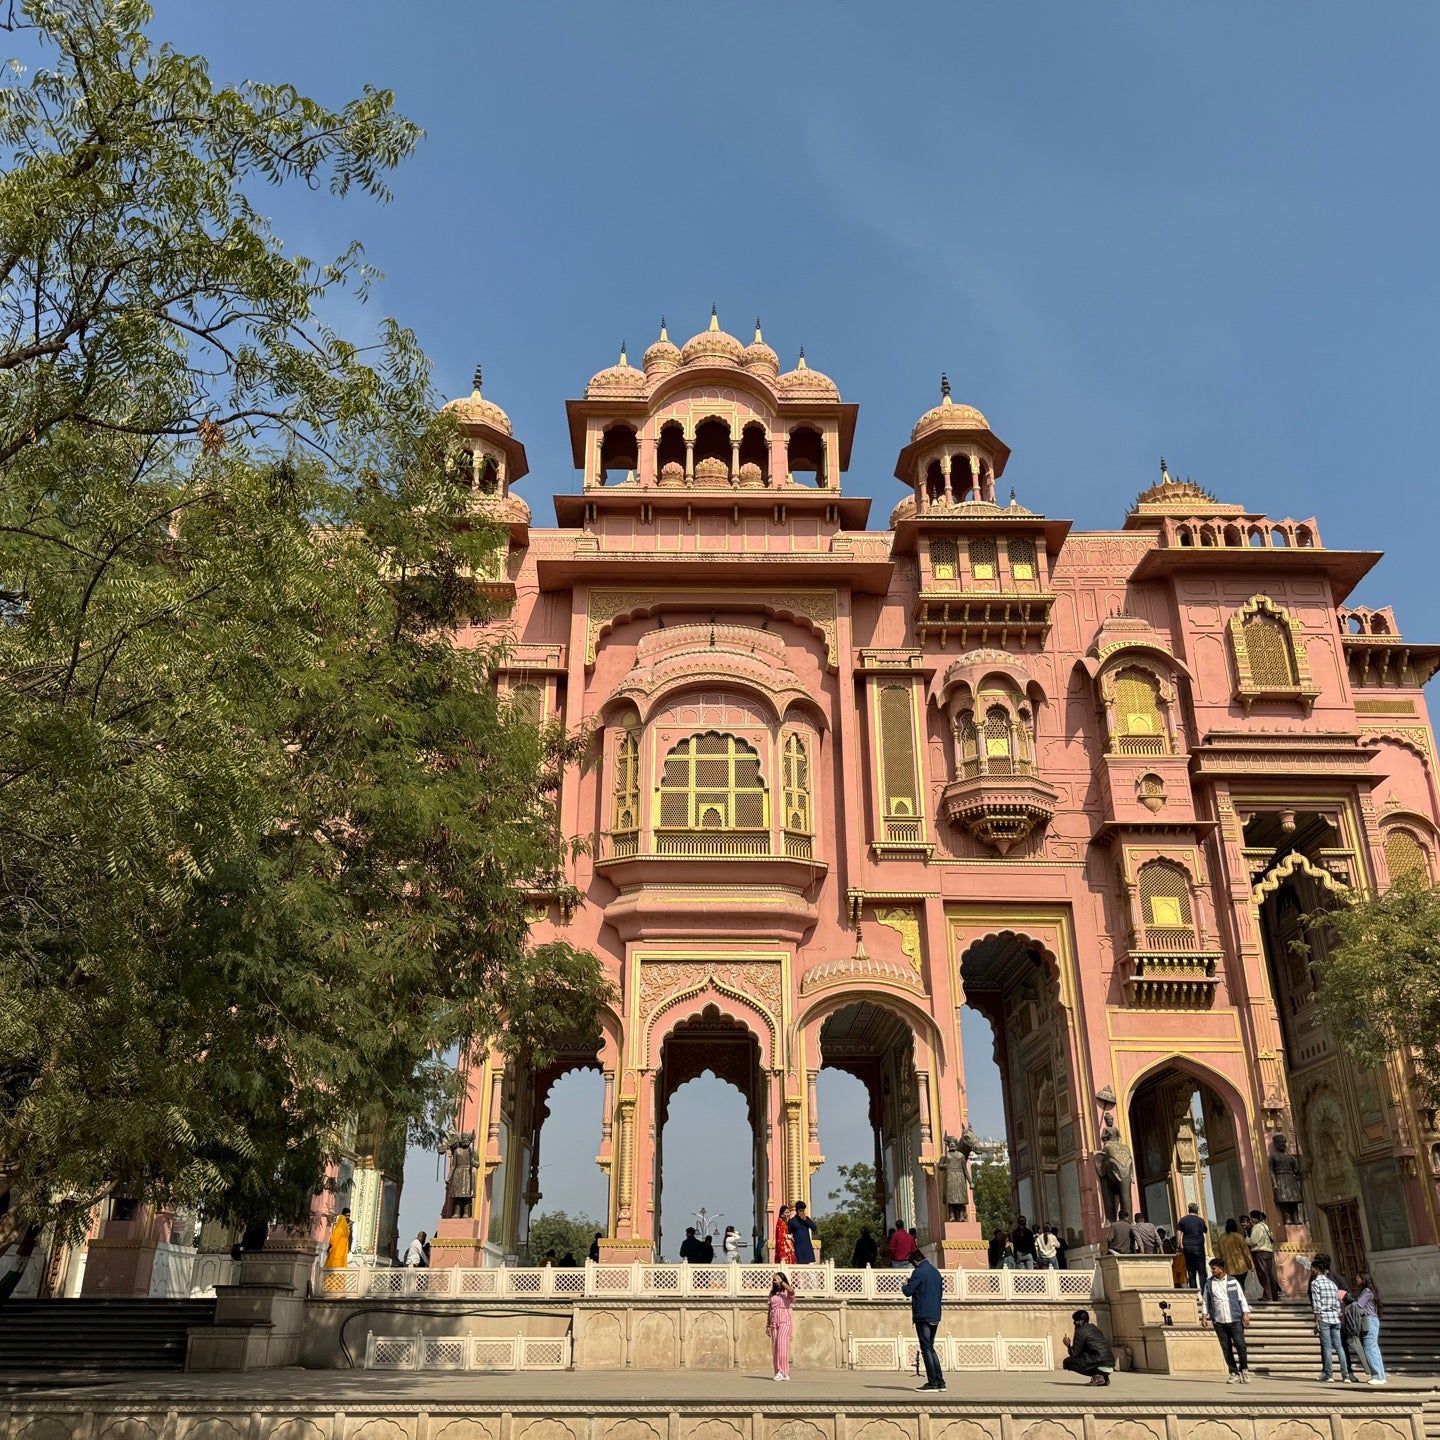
[846, 778]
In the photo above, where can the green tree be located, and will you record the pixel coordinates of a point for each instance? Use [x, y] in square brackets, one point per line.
[994, 1197]
[562, 1233]
[268, 835]
[852, 1208]
[1379, 981]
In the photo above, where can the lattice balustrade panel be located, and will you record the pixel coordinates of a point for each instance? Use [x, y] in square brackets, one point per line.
[1025, 1354]
[874, 1354]
[1075, 1284]
[544, 1352]
[393, 1352]
[660, 1279]
[974, 1354]
[444, 1352]
[755, 1279]
[436, 1283]
[479, 1282]
[385, 1282]
[983, 1284]
[611, 1279]
[569, 1282]
[888, 1283]
[489, 1352]
[807, 1280]
[526, 1282]
[705, 1281]
[951, 1282]
[849, 1282]
[1030, 1283]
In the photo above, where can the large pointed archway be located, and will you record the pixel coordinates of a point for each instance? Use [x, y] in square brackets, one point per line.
[715, 1045]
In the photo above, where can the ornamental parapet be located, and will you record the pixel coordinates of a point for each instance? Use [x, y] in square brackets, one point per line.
[1172, 976]
[1289, 753]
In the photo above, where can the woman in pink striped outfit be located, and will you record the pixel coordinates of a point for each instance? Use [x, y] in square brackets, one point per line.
[777, 1324]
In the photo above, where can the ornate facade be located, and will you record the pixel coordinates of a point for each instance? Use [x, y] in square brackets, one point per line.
[843, 781]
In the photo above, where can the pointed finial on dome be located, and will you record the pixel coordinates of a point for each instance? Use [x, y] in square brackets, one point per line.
[759, 338]
[624, 358]
[800, 363]
[944, 386]
[714, 318]
[479, 377]
[1164, 470]
[1013, 499]
[664, 334]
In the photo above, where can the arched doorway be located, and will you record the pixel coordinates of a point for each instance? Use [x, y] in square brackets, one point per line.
[709, 1046]
[1186, 1139]
[875, 1044]
[1014, 984]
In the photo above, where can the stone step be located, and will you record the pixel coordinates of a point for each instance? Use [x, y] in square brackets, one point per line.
[99, 1334]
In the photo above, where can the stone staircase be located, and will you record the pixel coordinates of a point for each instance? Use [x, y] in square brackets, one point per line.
[99, 1334]
[1282, 1339]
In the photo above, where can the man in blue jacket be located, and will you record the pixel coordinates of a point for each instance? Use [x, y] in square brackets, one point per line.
[926, 1288]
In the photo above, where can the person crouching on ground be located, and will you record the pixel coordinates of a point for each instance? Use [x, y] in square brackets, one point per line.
[925, 1289]
[1223, 1305]
[778, 1322]
[1090, 1352]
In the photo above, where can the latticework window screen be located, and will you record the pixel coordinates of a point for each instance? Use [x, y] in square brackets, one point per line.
[1022, 564]
[1406, 858]
[897, 751]
[944, 559]
[712, 782]
[1165, 895]
[1139, 721]
[1267, 645]
[797, 786]
[529, 701]
[999, 741]
[627, 781]
[984, 554]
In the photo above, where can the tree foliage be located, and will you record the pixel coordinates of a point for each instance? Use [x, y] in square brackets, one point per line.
[269, 836]
[564, 1234]
[1379, 985]
[993, 1194]
[852, 1208]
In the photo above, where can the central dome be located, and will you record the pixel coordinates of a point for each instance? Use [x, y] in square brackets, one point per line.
[712, 346]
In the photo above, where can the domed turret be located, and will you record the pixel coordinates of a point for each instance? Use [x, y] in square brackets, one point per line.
[1170, 491]
[947, 415]
[712, 346]
[663, 356]
[620, 381]
[803, 383]
[475, 409]
[759, 357]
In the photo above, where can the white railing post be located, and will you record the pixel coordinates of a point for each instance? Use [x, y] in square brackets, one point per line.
[590, 1278]
[732, 1279]
[637, 1279]
[369, 1349]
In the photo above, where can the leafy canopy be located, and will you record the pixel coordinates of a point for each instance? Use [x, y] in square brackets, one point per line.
[853, 1207]
[269, 837]
[993, 1195]
[1379, 986]
[564, 1234]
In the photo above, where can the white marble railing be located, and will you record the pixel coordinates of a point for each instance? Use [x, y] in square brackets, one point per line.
[659, 1282]
[212, 1268]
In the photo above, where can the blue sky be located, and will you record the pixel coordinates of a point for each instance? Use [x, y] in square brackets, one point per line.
[1125, 229]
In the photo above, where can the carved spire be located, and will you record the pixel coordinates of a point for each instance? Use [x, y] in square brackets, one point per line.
[714, 318]
[664, 334]
[944, 389]
[479, 378]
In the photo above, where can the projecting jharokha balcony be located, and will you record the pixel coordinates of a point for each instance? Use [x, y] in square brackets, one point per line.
[999, 805]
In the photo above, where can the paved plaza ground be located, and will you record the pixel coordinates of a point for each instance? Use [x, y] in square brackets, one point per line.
[334, 1389]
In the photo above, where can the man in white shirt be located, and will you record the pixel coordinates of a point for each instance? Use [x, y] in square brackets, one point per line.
[1223, 1305]
[417, 1253]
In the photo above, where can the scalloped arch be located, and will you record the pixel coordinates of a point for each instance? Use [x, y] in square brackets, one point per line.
[1272, 880]
[900, 1003]
[619, 608]
[732, 1003]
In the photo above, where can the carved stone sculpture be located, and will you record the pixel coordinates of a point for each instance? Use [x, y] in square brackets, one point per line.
[1286, 1175]
[460, 1181]
[1115, 1166]
[956, 1166]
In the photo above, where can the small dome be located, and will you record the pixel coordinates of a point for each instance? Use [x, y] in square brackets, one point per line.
[947, 415]
[903, 511]
[663, 355]
[712, 346]
[475, 409]
[619, 381]
[803, 383]
[1170, 491]
[759, 356]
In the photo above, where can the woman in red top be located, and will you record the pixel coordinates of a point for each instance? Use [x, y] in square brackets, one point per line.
[784, 1240]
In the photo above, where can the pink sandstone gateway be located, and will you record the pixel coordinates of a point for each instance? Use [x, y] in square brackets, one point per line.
[845, 780]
